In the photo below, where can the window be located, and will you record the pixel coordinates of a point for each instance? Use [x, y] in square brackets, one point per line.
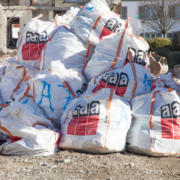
[177, 12]
[149, 36]
[124, 12]
[150, 12]
[73, 1]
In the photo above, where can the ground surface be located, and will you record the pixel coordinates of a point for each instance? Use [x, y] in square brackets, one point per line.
[73, 165]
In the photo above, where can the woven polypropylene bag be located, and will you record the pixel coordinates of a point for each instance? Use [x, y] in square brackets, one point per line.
[96, 123]
[32, 41]
[155, 124]
[66, 47]
[94, 21]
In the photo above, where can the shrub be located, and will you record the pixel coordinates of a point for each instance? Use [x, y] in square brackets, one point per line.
[174, 57]
[176, 41]
[159, 42]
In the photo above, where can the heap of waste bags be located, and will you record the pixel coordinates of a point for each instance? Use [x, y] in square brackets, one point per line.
[83, 82]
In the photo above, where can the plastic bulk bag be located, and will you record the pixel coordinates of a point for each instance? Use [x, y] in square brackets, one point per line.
[94, 21]
[66, 47]
[155, 124]
[15, 80]
[54, 89]
[32, 41]
[112, 52]
[27, 133]
[96, 123]
[130, 81]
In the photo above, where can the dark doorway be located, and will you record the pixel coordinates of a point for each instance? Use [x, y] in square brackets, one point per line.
[13, 32]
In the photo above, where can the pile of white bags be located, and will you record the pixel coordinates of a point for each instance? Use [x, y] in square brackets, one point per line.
[32, 41]
[66, 47]
[54, 89]
[112, 52]
[92, 124]
[27, 132]
[86, 76]
[94, 21]
[155, 124]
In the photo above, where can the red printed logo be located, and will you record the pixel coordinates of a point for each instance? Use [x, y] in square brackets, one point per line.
[116, 81]
[34, 45]
[170, 120]
[85, 120]
[111, 26]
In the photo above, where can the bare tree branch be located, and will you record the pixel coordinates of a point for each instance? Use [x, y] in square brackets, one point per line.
[161, 15]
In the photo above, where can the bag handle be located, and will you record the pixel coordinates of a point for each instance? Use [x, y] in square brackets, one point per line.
[55, 21]
[66, 85]
[151, 115]
[39, 16]
[96, 23]
[108, 114]
[120, 44]
[134, 72]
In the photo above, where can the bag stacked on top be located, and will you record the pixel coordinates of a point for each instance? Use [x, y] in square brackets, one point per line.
[96, 123]
[155, 124]
[54, 89]
[32, 41]
[66, 47]
[112, 52]
[94, 21]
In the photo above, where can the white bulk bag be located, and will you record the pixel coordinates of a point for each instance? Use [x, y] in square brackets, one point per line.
[32, 41]
[96, 123]
[130, 81]
[66, 47]
[112, 52]
[15, 79]
[94, 21]
[155, 128]
[27, 132]
[54, 89]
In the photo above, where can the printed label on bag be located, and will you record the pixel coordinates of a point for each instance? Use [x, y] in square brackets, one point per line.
[34, 45]
[170, 121]
[112, 26]
[138, 56]
[85, 120]
[116, 81]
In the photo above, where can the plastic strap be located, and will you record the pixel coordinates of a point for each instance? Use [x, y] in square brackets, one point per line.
[134, 72]
[120, 45]
[151, 115]
[69, 88]
[87, 55]
[39, 16]
[4, 70]
[56, 21]
[4, 129]
[96, 23]
[26, 93]
[108, 113]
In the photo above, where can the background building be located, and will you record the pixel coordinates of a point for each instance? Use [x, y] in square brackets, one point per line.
[131, 8]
